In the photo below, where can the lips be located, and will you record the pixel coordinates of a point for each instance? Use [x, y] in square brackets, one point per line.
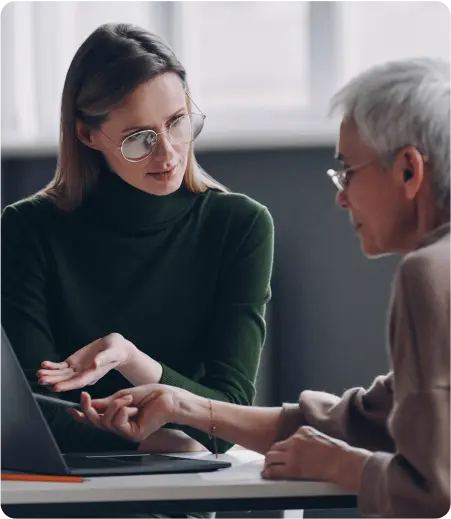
[164, 172]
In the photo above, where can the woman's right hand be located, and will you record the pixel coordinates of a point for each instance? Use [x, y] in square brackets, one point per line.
[87, 365]
[133, 413]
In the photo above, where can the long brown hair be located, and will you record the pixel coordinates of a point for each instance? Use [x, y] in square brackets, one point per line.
[108, 66]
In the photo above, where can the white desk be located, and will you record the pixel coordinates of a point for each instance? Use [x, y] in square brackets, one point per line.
[237, 488]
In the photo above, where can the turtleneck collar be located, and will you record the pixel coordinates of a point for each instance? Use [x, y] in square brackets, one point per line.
[126, 208]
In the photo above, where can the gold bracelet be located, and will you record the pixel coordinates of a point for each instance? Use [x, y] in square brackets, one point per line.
[213, 428]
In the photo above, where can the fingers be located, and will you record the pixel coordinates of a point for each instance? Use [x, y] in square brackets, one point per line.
[278, 461]
[276, 472]
[89, 412]
[83, 368]
[50, 377]
[82, 379]
[112, 409]
[125, 426]
[275, 458]
[101, 404]
[115, 414]
[76, 382]
[154, 413]
[135, 421]
[47, 364]
[278, 465]
[78, 416]
[54, 372]
[118, 418]
[281, 446]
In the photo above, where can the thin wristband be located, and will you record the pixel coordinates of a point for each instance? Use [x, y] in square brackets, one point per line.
[213, 428]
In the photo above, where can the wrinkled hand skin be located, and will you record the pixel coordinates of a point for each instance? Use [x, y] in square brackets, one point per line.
[310, 454]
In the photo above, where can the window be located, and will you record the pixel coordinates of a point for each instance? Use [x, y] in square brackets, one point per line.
[39, 40]
[374, 32]
[248, 63]
[263, 72]
[248, 67]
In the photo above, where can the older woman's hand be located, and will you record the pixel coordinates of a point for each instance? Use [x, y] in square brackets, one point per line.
[133, 413]
[310, 454]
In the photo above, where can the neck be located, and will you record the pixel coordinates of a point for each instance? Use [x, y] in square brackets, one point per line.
[124, 208]
[427, 222]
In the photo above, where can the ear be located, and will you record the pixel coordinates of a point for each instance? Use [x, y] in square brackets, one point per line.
[85, 135]
[410, 170]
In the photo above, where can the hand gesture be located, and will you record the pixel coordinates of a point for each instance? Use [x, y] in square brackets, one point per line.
[132, 413]
[87, 365]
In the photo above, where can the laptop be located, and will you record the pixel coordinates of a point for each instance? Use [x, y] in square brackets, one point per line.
[28, 445]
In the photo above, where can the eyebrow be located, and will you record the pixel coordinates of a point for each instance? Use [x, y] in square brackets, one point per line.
[135, 128]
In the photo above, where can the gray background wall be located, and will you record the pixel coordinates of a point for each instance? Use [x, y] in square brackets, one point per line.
[327, 317]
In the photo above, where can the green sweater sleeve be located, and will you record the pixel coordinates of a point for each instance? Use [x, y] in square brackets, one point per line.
[236, 332]
[25, 321]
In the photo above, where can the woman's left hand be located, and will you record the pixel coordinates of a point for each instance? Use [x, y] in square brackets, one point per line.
[310, 454]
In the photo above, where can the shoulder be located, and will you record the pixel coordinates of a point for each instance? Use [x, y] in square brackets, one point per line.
[29, 212]
[240, 211]
[420, 317]
[426, 271]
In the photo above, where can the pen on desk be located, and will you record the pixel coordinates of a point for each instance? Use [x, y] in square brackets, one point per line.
[56, 401]
[42, 477]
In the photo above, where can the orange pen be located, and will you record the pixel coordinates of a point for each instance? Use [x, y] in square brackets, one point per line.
[39, 477]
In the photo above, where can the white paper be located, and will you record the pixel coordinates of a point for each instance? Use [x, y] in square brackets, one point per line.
[245, 472]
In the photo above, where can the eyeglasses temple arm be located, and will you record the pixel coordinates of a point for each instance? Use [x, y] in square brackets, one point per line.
[191, 99]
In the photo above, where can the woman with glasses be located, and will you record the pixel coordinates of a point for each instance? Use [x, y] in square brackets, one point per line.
[389, 444]
[133, 266]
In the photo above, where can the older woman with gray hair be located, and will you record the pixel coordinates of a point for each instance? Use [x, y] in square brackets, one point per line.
[390, 443]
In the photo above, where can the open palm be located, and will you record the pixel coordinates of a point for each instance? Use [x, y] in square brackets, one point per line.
[87, 365]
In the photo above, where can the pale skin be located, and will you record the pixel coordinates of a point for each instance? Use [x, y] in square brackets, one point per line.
[92, 362]
[151, 106]
[136, 413]
[390, 214]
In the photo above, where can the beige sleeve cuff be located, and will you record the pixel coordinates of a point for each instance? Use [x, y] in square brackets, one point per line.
[370, 502]
[289, 422]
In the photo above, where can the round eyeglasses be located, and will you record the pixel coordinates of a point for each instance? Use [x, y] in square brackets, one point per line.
[182, 130]
[340, 177]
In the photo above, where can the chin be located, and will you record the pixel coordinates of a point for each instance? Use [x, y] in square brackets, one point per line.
[162, 187]
[372, 250]
[373, 254]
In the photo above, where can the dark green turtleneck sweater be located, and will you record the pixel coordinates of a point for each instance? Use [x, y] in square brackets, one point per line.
[185, 277]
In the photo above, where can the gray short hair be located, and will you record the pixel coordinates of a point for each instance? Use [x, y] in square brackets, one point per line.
[402, 103]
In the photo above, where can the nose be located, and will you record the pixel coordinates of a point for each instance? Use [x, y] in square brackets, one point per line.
[164, 151]
[341, 200]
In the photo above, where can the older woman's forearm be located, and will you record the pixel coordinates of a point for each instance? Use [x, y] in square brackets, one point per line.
[170, 440]
[254, 428]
